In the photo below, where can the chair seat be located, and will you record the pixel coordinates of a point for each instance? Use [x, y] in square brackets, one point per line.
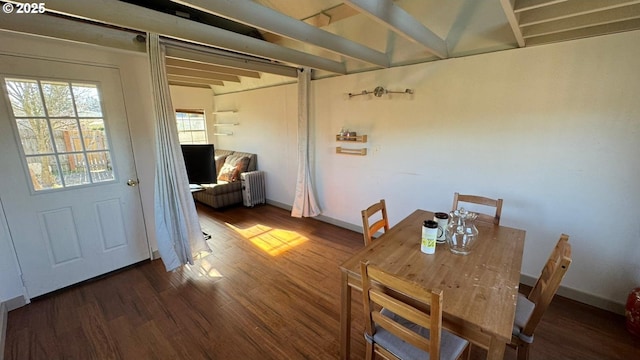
[451, 346]
[524, 309]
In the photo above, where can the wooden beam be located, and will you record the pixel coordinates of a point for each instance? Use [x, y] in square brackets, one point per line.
[178, 52]
[201, 74]
[570, 9]
[331, 15]
[194, 85]
[400, 21]
[583, 21]
[211, 68]
[136, 17]
[57, 27]
[267, 19]
[525, 5]
[512, 18]
[622, 26]
[193, 80]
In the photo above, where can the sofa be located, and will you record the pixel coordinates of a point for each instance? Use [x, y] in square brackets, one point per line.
[228, 190]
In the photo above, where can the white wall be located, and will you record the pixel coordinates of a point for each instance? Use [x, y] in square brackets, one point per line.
[137, 96]
[551, 129]
[188, 98]
[268, 128]
[10, 283]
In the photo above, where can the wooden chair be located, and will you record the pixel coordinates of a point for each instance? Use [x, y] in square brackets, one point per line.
[481, 200]
[529, 310]
[368, 230]
[395, 329]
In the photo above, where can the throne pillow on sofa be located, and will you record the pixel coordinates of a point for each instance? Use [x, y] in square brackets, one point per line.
[233, 167]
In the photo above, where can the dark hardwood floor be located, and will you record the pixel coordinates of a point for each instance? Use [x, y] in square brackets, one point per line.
[269, 290]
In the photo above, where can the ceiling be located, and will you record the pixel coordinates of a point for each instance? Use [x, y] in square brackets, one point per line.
[237, 45]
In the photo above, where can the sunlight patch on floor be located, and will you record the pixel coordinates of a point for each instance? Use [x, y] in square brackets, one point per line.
[272, 241]
[202, 268]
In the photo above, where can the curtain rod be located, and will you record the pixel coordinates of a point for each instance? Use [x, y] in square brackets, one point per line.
[241, 61]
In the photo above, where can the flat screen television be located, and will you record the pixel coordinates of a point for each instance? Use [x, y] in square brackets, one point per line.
[200, 163]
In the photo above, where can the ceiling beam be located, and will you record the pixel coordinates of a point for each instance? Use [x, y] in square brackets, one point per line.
[570, 9]
[211, 68]
[512, 18]
[611, 28]
[583, 21]
[400, 21]
[331, 15]
[136, 17]
[219, 58]
[201, 74]
[187, 84]
[267, 19]
[58, 27]
[525, 5]
[193, 80]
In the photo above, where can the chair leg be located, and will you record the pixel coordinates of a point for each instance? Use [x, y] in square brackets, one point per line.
[369, 351]
[466, 354]
[523, 351]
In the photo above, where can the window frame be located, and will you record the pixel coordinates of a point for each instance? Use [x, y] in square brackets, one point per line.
[204, 131]
[55, 152]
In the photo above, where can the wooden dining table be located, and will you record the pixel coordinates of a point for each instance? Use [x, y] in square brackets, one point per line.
[479, 289]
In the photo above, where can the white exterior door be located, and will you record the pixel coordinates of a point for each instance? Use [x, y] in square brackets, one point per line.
[66, 161]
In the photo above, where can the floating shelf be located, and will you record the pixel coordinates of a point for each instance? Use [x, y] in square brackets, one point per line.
[359, 152]
[225, 112]
[230, 133]
[228, 124]
[359, 138]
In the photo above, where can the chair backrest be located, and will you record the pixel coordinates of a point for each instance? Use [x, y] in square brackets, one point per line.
[391, 292]
[368, 230]
[481, 200]
[545, 288]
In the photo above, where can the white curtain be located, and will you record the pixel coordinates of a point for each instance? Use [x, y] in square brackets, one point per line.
[304, 202]
[177, 226]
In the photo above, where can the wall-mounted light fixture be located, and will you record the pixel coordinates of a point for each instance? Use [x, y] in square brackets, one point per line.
[379, 91]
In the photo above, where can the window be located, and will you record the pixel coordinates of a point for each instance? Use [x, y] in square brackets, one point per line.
[191, 127]
[62, 132]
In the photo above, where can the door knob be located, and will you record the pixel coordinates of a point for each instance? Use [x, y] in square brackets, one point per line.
[132, 182]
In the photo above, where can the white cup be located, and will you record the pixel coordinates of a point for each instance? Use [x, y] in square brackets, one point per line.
[443, 220]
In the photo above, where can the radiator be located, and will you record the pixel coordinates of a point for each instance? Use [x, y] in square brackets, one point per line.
[253, 188]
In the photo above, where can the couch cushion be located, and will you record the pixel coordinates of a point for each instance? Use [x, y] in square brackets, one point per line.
[235, 159]
[219, 162]
[228, 172]
[253, 158]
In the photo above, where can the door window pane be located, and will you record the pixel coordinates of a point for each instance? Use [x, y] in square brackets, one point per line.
[44, 172]
[93, 134]
[62, 149]
[87, 100]
[35, 136]
[66, 134]
[100, 166]
[25, 98]
[57, 98]
[74, 169]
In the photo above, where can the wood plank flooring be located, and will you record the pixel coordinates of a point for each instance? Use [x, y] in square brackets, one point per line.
[269, 290]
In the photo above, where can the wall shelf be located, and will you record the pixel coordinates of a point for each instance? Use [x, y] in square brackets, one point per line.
[224, 112]
[226, 124]
[358, 139]
[230, 133]
[358, 152]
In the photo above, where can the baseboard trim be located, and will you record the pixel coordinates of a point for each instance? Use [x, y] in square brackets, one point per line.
[279, 205]
[326, 219]
[580, 296]
[3, 327]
